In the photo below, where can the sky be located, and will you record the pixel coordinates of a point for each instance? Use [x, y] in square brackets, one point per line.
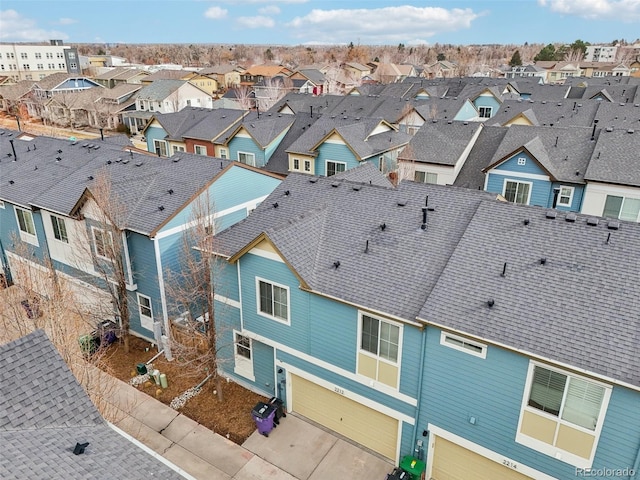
[309, 22]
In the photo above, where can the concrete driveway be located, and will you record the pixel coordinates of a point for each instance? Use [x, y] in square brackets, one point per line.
[307, 452]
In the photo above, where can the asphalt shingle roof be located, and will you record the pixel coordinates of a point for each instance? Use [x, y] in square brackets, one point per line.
[44, 412]
[616, 157]
[471, 175]
[324, 220]
[442, 143]
[160, 89]
[560, 113]
[579, 307]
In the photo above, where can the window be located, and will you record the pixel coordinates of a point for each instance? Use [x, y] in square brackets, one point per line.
[61, 66]
[463, 344]
[146, 311]
[26, 226]
[426, 177]
[200, 149]
[26, 66]
[23, 55]
[379, 350]
[178, 148]
[242, 356]
[307, 166]
[562, 414]
[223, 153]
[565, 196]
[71, 55]
[160, 147]
[622, 207]
[296, 164]
[59, 229]
[60, 55]
[73, 65]
[335, 167]
[49, 55]
[248, 158]
[485, 112]
[522, 160]
[517, 192]
[103, 243]
[273, 300]
[40, 66]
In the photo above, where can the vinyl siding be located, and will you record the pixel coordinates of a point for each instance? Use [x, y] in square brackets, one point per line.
[576, 201]
[154, 133]
[246, 145]
[466, 112]
[336, 152]
[487, 101]
[145, 275]
[541, 190]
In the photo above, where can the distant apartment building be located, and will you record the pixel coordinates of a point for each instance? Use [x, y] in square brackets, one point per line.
[28, 61]
[600, 53]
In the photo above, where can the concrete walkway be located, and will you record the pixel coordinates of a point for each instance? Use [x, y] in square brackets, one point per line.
[295, 450]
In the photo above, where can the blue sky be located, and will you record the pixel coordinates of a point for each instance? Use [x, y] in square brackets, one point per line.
[295, 22]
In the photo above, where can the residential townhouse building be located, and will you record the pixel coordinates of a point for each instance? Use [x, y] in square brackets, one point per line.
[23, 61]
[50, 211]
[463, 383]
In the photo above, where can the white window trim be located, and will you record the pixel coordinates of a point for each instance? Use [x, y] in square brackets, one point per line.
[243, 366]
[326, 166]
[443, 341]
[1, 203]
[249, 154]
[307, 162]
[504, 188]
[195, 149]
[552, 450]
[224, 153]
[26, 236]
[266, 315]
[558, 203]
[53, 230]
[142, 316]
[377, 357]
[522, 161]
[293, 164]
[159, 144]
[95, 244]
[490, 109]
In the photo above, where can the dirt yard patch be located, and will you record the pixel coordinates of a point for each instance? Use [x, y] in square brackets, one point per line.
[231, 418]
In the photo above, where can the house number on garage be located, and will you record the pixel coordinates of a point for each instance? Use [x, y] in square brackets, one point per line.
[510, 464]
[338, 390]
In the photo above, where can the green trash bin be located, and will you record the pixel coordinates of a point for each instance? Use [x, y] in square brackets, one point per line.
[413, 466]
[88, 344]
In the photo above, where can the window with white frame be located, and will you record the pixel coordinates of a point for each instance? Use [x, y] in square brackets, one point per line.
[146, 311]
[485, 112]
[517, 192]
[307, 165]
[335, 167]
[463, 344]
[565, 196]
[224, 153]
[26, 226]
[160, 147]
[178, 148]
[273, 300]
[379, 349]
[562, 414]
[247, 158]
[200, 149]
[624, 208]
[103, 243]
[296, 164]
[242, 355]
[426, 177]
[522, 161]
[59, 229]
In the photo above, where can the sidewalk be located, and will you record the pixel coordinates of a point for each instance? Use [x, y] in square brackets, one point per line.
[295, 450]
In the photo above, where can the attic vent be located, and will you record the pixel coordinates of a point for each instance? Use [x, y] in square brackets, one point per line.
[402, 203]
[592, 221]
[11, 182]
[95, 147]
[59, 151]
[630, 130]
[313, 180]
[335, 184]
[287, 193]
[383, 226]
[170, 191]
[79, 448]
[357, 188]
[559, 104]
[118, 160]
[139, 164]
[551, 214]
[176, 159]
[90, 177]
[336, 264]
[125, 161]
[275, 205]
[571, 217]
[526, 222]
[543, 261]
[161, 208]
[613, 225]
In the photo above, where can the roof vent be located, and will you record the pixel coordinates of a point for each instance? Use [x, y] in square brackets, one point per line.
[630, 130]
[58, 159]
[118, 160]
[571, 217]
[543, 261]
[313, 180]
[95, 147]
[336, 264]
[526, 222]
[275, 205]
[125, 161]
[357, 188]
[170, 191]
[79, 448]
[490, 303]
[551, 214]
[592, 221]
[402, 203]
[335, 184]
[59, 151]
[613, 225]
[504, 270]
[108, 162]
[609, 129]
[287, 193]
[161, 208]
[383, 226]
[175, 159]
[90, 177]
[11, 182]
[139, 164]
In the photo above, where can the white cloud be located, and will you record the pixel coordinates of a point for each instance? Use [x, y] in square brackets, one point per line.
[256, 22]
[626, 10]
[388, 25]
[269, 10]
[66, 21]
[216, 13]
[18, 28]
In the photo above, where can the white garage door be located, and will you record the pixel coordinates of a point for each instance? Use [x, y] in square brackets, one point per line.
[355, 421]
[453, 462]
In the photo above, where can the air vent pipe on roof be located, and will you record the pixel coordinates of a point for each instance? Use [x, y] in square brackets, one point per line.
[504, 270]
[593, 133]
[424, 218]
[15, 157]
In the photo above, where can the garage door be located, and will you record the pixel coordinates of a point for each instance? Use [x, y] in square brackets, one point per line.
[357, 422]
[453, 462]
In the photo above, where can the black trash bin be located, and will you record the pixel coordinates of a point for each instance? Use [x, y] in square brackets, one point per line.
[264, 415]
[398, 474]
[279, 406]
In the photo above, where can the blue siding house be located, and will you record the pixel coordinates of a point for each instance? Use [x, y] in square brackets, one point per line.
[59, 214]
[541, 166]
[482, 358]
[256, 139]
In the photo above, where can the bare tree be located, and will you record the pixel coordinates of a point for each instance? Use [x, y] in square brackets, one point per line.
[191, 292]
[243, 96]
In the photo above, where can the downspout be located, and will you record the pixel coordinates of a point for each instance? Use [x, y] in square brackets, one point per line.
[163, 297]
[127, 260]
[423, 348]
